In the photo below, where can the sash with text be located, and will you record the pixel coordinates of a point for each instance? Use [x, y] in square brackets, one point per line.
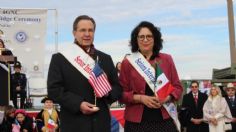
[157, 81]
[88, 67]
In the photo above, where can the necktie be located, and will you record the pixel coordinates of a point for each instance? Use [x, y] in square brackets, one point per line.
[231, 101]
[195, 99]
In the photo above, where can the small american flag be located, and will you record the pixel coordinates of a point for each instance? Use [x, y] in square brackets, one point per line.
[99, 81]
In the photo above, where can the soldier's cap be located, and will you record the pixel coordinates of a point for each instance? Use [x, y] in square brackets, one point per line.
[230, 85]
[17, 64]
[45, 99]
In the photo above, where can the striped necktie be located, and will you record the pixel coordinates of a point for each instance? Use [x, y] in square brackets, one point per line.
[195, 98]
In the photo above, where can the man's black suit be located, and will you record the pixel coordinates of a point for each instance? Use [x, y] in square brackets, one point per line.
[232, 107]
[195, 111]
[68, 87]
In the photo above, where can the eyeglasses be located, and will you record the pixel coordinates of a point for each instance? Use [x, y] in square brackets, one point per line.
[194, 86]
[142, 37]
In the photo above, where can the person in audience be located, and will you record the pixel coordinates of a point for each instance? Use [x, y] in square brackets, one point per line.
[3, 49]
[8, 120]
[216, 110]
[18, 86]
[193, 103]
[230, 98]
[142, 74]
[23, 122]
[73, 76]
[47, 119]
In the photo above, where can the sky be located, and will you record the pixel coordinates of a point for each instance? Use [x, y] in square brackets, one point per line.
[195, 32]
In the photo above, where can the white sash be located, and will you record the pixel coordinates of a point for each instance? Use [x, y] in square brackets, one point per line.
[4, 67]
[144, 68]
[78, 58]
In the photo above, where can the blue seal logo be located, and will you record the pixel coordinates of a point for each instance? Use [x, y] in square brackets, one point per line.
[21, 37]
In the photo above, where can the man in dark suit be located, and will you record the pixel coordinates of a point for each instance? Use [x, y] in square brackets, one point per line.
[230, 98]
[18, 86]
[193, 102]
[69, 82]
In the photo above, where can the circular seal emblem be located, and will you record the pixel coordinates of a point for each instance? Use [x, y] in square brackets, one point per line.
[21, 37]
[36, 68]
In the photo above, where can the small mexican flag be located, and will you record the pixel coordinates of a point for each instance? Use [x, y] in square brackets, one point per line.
[51, 123]
[163, 86]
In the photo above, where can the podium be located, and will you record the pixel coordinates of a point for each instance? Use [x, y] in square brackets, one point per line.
[5, 74]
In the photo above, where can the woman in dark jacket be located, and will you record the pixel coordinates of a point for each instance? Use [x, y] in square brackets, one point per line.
[8, 120]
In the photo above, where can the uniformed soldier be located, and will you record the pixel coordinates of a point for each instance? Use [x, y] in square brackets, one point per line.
[18, 85]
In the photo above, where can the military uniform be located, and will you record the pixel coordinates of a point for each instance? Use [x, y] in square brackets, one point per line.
[18, 79]
[42, 118]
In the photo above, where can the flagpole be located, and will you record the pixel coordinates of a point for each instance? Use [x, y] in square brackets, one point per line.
[95, 102]
[95, 99]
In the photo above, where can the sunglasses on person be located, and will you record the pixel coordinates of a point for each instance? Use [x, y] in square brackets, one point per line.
[194, 86]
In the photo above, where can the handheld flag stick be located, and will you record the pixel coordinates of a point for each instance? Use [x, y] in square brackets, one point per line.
[95, 97]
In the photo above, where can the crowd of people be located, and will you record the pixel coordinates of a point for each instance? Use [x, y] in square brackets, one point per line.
[85, 82]
[17, 120]
[209, 113]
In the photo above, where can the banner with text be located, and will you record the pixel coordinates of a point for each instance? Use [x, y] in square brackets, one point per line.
[24, 32]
